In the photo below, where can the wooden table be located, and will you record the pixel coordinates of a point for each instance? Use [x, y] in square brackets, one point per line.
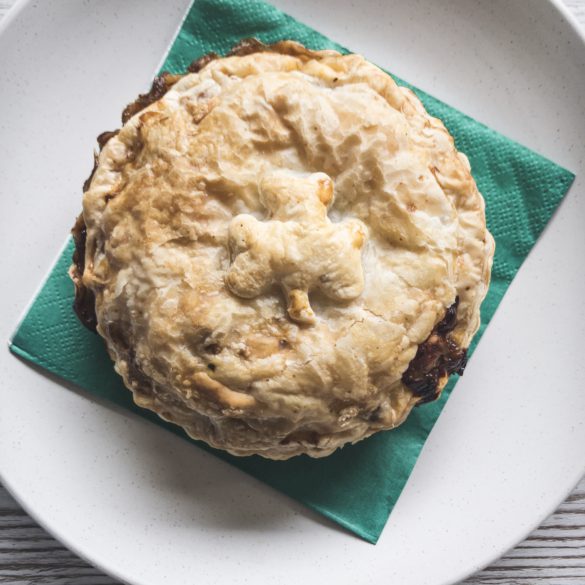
[554, 554]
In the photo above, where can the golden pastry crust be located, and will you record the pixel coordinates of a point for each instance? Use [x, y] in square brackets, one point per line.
[271, 241]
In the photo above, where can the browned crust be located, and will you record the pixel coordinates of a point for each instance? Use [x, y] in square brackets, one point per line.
[84, 303]
[437, 357]
[200, 63]
[160, 85]
[251, 45]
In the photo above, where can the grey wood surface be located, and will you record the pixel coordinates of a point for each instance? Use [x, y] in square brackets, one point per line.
[554, 554]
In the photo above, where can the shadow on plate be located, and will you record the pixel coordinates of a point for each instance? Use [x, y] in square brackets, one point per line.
[199, 488]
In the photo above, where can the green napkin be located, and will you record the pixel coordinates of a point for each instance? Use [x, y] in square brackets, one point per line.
[358, 486]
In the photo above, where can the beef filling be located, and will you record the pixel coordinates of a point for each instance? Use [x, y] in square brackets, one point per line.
[436, 358]
[84, 302]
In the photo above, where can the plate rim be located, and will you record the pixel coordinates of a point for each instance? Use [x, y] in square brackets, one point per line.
[15, 10]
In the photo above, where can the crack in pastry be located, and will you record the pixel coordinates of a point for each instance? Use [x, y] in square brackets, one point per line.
[242, 301]
[437, 358]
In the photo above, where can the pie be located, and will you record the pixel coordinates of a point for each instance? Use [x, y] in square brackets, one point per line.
[283, 251]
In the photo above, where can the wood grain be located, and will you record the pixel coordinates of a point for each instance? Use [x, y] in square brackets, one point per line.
[554, 554]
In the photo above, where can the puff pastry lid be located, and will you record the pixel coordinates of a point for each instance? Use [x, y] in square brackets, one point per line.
[271, 241]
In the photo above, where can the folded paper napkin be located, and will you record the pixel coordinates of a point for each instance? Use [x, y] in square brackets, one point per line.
[357, 486]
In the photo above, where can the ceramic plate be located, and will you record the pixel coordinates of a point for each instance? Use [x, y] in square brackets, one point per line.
[150, 508]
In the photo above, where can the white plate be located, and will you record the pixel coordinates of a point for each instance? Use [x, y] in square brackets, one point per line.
[149, 508]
